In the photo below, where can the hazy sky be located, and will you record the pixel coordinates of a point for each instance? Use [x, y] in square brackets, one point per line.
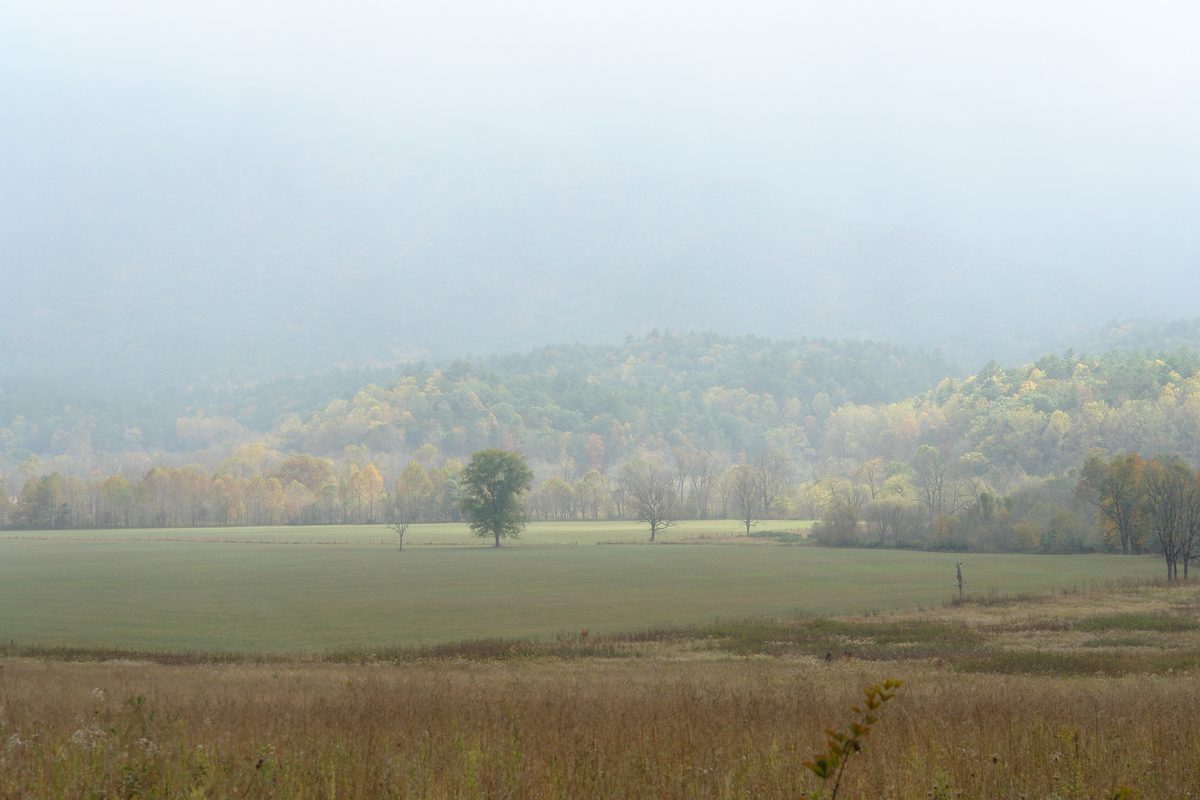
[1062, 133]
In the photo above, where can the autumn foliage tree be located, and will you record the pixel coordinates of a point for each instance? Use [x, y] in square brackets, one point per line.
[1140, 502]
[1116, 489]
[311, 473]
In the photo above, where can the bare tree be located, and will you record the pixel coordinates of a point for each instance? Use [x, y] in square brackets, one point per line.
[683, 467]
[723, 484]
[704, 473]
[893, 520]
[650, 490]
[402, 511]
[745, 492]
[1190, 548]
[871, 473]
[931, 475]
[966, 492]
[619, 493]
[696, 470]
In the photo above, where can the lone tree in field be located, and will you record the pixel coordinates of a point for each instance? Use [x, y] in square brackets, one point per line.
[492, 487]
[745, 492]
[651, 494]
[402, 510]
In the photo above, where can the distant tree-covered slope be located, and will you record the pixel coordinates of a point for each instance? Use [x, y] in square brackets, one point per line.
[727, 390]
[821, 402]
[1039, 419]
[597, 404]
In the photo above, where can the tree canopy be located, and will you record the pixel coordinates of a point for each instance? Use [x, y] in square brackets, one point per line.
[493, 483]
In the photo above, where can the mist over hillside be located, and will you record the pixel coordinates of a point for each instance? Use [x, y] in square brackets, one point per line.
[197, 242]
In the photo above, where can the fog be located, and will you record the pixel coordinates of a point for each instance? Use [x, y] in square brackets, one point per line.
[424, 179]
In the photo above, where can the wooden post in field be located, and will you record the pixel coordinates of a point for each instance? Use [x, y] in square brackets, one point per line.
[959, 582]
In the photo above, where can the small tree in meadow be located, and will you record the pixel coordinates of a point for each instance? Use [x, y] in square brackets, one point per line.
[492, 486]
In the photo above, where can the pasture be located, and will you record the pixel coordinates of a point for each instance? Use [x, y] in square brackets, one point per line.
[1087, 694]
[176, 590]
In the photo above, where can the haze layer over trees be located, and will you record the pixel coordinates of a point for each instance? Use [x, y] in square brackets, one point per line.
[184, 244]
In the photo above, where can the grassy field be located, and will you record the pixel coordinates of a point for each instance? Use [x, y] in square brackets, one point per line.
[159, 592]
[1084, 694]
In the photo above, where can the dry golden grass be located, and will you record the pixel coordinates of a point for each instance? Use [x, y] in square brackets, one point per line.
[673, 717]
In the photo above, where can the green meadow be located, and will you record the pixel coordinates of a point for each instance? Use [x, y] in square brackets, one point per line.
[314, 589]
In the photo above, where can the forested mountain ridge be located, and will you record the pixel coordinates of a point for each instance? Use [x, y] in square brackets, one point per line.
[806, 399]
[54, 415]
[1039, 419]
[724, 394]
[46, 416]
[822, 401]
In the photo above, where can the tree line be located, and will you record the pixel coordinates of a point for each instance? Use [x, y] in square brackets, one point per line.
[1146, 504]
[259, 486]
[934, 500]
[942, 501]
[301, 490]
[824, 405]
